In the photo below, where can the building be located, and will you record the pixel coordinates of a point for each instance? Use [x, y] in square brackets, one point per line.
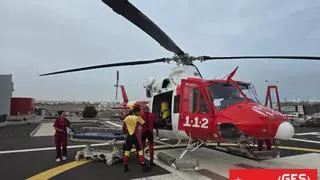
[6, 89]
[22, 106]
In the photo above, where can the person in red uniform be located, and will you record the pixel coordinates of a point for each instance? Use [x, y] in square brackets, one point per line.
[61, 136]
[147, 130]
[130, 128]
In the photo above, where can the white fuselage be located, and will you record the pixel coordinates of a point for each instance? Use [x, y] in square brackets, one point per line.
[176, 74]
[174, 133]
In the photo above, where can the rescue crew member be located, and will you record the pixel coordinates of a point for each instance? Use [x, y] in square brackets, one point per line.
[61, 136]
[130, 129]
[147, 130]
[127, 113]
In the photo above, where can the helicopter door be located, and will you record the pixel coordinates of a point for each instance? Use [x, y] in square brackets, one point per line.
[196, 117]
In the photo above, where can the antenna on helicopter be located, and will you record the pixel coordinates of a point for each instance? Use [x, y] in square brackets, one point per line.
[230, 76]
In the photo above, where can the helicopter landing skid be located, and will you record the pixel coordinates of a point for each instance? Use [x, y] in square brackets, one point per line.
[250, 152]
[179, 163]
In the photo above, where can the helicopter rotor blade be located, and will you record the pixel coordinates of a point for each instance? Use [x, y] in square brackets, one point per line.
[131, 13]
[133, 63]
[204, 58]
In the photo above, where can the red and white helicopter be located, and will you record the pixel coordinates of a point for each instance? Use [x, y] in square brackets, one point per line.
[200, 110]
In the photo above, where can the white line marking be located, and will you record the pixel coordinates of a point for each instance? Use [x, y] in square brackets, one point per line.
[308, 133]
[303, 140]
[170, 176]
[49, 148]
[35, 130]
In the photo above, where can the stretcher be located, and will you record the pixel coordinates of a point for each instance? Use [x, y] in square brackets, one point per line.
[113, 136]
[98, 134]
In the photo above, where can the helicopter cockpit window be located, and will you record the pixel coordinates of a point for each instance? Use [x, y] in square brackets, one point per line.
[165, 83]
[203, 106]
[249, 91]
[193, 99]
[225, 95]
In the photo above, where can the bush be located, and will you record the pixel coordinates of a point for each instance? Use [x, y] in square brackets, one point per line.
[89, 112]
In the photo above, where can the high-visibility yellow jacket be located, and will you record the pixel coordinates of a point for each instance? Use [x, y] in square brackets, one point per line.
[130, 123]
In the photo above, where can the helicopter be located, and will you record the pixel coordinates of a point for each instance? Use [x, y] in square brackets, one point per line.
[197, 110]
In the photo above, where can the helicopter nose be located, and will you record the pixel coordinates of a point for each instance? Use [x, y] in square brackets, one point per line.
[285, 131]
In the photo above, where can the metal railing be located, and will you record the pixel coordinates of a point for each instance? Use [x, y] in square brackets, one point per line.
[101, 130]
[21, 117]
[98, 134]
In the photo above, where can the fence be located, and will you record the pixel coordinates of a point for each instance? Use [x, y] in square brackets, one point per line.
[22, 117]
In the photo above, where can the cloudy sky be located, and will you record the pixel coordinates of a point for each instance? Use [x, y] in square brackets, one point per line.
[40, 36]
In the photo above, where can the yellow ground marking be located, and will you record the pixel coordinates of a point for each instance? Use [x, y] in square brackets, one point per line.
[57, 170]
[60, 169]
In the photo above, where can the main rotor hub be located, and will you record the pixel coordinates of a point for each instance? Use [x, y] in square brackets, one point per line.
[184, 59]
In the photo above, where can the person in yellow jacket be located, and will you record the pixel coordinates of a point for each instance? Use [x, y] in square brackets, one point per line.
[130, 128]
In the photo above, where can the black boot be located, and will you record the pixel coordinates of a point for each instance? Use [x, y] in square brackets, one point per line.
[126, 169]
[145, 168]
[152, 163]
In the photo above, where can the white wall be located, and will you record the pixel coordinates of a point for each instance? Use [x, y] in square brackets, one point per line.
[6, 88]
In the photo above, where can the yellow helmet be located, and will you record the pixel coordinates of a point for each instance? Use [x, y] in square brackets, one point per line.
[131, 105]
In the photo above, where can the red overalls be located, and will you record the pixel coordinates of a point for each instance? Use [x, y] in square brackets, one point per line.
[147, 131]
[61, 138]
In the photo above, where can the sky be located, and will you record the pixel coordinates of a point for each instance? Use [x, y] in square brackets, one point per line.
[38, 37]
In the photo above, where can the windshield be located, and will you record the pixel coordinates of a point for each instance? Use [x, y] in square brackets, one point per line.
[226, 94]
[249, 91]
